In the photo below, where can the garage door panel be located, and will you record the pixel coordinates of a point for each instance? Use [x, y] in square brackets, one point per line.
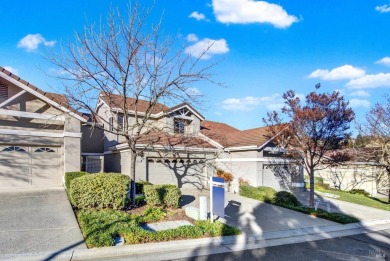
[32, 167]
[186, 174]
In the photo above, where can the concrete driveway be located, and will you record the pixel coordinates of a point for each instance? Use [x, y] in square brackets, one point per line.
[38, 221]
[254, 217]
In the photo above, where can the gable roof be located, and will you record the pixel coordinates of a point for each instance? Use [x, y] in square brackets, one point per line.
[176, 141]
[116, 101]
[229, 136]
[57, 100]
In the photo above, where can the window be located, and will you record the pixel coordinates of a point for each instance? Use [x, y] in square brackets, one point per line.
[93, 164]
[121, 122]
[3, 91]
[44, 150]
[179, 126]
[14, 148]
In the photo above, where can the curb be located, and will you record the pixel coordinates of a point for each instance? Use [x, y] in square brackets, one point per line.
[240, 242]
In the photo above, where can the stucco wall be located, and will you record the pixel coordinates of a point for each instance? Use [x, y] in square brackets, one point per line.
[92, 140]
[361, 176]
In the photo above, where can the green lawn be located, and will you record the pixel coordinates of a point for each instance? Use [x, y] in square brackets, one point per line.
[357, 198]
[100, 227]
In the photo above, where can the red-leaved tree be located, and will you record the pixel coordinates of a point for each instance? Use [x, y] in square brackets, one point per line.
[311, 129]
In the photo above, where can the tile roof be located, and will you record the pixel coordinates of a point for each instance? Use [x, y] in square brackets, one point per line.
[57, 98]
[114, 100]
[176, 140]
[229, 136]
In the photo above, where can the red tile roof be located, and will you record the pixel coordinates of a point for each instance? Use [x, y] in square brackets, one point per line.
[229, 136]
[58, 98]
[114, 100]
[176, 140]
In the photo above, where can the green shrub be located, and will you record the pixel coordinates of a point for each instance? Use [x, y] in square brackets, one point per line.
[162, 195]
[100, 227]
[103, 190]
[266, 194]
[139, 186]
[360, 192]
[153, 215]
[216, 229]
[69, 176]
[336, 217]
[284, 198]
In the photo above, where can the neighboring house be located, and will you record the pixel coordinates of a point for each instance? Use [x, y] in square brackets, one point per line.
[251, 156]
[360, 172]
[39, 135]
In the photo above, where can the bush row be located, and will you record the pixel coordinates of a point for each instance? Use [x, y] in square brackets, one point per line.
[288, 200]
[162, 195]
[69, 176]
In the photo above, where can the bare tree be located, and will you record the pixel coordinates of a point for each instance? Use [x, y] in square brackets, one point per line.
[128, 57]
[313, 128]
[377, 131]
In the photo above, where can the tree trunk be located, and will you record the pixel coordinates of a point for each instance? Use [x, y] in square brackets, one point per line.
[311, 194]
[133, 160]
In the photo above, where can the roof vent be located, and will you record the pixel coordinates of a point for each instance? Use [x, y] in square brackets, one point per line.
[3, 91]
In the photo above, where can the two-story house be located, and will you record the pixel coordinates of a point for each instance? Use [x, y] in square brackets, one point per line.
[175, 152]
[39, 135]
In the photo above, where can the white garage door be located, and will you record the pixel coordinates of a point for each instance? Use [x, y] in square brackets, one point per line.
[24, 166]
[276, 176]
[188, 173]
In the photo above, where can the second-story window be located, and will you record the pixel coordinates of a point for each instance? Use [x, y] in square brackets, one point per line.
[179, 126]
[121, 122]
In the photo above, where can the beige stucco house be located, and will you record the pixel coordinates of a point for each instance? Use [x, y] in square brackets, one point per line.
[42, 137]
[39, 135]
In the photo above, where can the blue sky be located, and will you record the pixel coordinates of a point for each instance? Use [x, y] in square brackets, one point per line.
[266, 47]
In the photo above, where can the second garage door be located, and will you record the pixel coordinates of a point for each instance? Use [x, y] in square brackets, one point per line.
[29, 167]
[187, 173]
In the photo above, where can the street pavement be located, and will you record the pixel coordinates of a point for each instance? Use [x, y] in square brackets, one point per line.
[263, 226]
[370, 246]
[35, 221]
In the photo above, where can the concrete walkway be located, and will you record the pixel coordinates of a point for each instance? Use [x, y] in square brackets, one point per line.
[36, 221]
[363, 213]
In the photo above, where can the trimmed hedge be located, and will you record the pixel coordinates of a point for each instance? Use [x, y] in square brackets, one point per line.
[139, 186]
[162, 195]
[360, 192]
[284, 198]
[69, 176]
[103, 190]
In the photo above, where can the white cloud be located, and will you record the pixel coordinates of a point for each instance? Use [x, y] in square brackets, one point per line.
[31, 42]
[340, 73]
[11, 69]
[383, 8]
[198, 16]
[194, 91]
[207, 48]
[359, 103]
[249, 103]
[384, 61]
[370, 81]
[192, 38]
[250, 11]
[360, 93]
